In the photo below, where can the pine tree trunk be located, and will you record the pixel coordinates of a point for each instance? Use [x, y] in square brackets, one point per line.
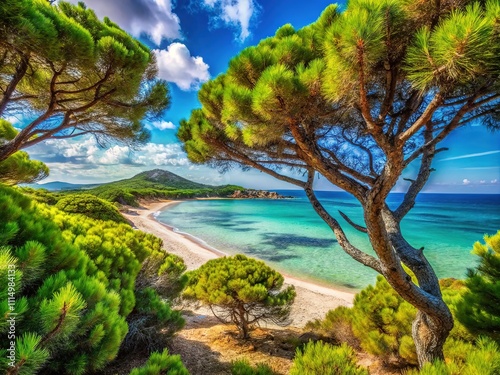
[6, 150]
[245, 331]
[434, 321]
[429, 336]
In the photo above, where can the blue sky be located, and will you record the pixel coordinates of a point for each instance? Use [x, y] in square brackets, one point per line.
[194, 41]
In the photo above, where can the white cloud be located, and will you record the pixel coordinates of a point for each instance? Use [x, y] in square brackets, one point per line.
[466, 181]
[482, 182]
[161, 125]
[152, 17]
[176, 65]
[467, 156]
[85, 154]
[235, 13]
[115, 155]
[154, 154]
[81, 151]
[494, 181]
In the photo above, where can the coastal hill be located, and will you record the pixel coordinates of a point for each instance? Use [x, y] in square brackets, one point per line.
[159, 178]
[157, 184]
[162, 184]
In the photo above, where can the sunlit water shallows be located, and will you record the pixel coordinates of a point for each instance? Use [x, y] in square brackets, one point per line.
[289, 235]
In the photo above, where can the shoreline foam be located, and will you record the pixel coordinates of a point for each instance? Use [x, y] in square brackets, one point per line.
[313, 300]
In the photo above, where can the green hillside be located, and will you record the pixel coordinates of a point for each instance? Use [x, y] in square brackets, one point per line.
[157, 183]
[157, 179]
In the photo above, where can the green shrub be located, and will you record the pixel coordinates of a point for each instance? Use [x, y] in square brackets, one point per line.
[162, 364]
[58, 285]
[480, 359]
[337, 324]
[91, 206]
[480, 309]
[41, 195]
[381, 321]
[243, 367]
[75, 279]
[151, 322]
[241, 290]
[325, 359]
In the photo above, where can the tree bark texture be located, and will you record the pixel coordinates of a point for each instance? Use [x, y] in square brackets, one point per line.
[434, 321]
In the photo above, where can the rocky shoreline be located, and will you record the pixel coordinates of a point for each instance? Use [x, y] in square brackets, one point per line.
[256, 194]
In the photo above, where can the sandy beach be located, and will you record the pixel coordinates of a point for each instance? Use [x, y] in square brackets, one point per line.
[312, 301]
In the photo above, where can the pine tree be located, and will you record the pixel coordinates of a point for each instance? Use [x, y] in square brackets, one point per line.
[358, 97]
[77, 75]
[19, 168]
[241, 290]
[480, 309]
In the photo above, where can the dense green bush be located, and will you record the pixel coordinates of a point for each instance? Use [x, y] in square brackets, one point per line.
[241, 290]
[321, 358]
[41, 195]
[162, 364]
[243, 367]
[483, 358]
[75, 285]
[336, 325]
[91, 206]
[480, 309]
[380, 321]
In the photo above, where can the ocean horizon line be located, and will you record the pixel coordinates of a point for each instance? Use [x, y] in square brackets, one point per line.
[394, 192]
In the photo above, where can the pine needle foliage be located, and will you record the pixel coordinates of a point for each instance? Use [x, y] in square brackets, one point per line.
[243, 367]
[19, 168]
[322, 358]
[76, 75]
[162, 364]
[480, 309]
[91, 206]
[380, 323]
[241, 290]
[75, 286]
[482, 358]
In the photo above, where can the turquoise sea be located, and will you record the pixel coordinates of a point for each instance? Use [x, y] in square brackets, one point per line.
[289, 235]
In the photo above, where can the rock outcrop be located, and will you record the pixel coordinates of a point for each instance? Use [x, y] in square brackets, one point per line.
[255, 194]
